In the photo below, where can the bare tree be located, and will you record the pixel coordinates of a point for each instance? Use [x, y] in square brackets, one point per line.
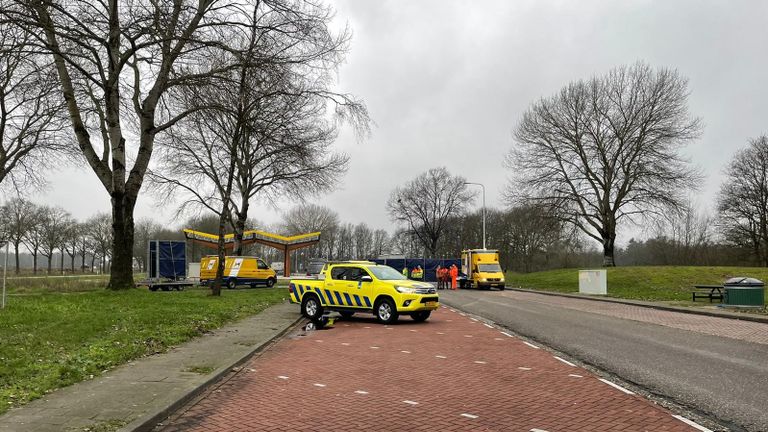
[115, 62]
[30, 121]
[18, 219]
[146, 230]
[54, 224]
[380, 242]
[606, 150]
[307, 218]
[33, 237]
[742, 203]
[426, 203]
[100, 233]
[74, 242]
[363, 241]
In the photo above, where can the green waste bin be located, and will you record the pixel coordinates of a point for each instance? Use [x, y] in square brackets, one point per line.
[744, 292]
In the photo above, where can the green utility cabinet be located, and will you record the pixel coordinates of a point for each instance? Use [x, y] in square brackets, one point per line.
[744, 292]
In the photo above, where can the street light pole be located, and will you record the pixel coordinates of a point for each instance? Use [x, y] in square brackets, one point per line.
[482, 186]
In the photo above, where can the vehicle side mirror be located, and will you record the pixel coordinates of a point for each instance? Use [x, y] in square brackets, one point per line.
[366, 278]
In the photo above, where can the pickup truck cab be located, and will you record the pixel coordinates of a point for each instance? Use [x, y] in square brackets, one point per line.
[362, 286]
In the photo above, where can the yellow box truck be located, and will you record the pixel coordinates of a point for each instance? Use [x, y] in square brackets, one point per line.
[482, 269]
[238, 270]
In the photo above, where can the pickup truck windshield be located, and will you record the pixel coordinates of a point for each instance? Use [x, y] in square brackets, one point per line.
[489, 268]
[386, 273]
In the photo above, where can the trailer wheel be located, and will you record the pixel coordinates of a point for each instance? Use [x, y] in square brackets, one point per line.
[232, 283]
[165, 288]
[152, 288]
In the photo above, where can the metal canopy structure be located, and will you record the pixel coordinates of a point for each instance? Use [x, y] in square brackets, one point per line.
[282, 243]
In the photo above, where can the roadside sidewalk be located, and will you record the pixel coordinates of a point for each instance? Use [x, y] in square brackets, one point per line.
[140, 392]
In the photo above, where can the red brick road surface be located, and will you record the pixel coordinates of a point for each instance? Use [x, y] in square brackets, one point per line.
[451, 373]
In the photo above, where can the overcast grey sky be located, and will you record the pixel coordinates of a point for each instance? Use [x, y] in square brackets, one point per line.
[446, 82]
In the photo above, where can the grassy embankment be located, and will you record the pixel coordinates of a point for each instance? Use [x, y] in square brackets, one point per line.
[55, 332]
[658, 283]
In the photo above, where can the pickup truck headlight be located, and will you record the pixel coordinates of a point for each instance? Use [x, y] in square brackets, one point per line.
[405, 290]
[483, 280]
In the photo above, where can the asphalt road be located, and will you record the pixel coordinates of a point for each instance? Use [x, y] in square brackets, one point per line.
[724, 378]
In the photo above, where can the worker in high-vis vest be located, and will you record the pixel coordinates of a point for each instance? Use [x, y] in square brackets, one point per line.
[454, 275]
[405, 272]
[417, 273]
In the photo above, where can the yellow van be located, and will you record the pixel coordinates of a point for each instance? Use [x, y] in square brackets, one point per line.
[238, 270]
[482, 269]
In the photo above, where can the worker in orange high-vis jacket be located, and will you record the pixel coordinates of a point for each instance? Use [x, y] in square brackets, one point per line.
[454, 275]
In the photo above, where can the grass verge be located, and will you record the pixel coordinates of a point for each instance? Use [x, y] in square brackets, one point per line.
[51, 340]
[655, 283]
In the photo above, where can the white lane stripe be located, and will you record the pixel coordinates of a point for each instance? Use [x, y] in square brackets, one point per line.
[488, 325]
[467, 335]
[374, 347]
[498, 339]
[691, 423]
[405, 352]
[616, 386]
[506, 334]
[479, 362]
[318, 340]
[537, 430]
[531, 345]
[361, 392]
[565, 361]
[319, 385]
[575, 376]
[439, 356]
[345, 343]
[471, 416]
[410, 402]
[523, 368]
[282, 377]
[440, 333]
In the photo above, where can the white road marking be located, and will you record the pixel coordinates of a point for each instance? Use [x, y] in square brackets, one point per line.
[498, 339]
[531, 345]
[616, 386]
[565, 361]
[405, 352]
[471, 416]
[453, 310]
[479, 362]
[413, 331]
[488, 325]
[345, 343]
[367, 327]
[440, 333]
[318, 340]
[282, 377]
[388, 328]
[374, 347]
[449, 320]
[439, 356]
[361, 392]
[537, 430]
[319, 385]
[467, 335]
[506, 334]
[410, 402]
[524, 368]
[691, 423]
[575, 376]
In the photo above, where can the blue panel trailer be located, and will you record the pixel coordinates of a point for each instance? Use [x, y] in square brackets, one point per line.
[166, 265]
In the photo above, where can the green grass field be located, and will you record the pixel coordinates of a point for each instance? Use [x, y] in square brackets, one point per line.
[55, 333]
[659, 283]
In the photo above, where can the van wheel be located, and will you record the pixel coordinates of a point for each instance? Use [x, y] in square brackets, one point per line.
[420, 316]
[232, 283]
[270, 282]
[311, 307]
[386, 312]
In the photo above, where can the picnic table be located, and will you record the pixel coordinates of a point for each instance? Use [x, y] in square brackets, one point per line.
[708, 291]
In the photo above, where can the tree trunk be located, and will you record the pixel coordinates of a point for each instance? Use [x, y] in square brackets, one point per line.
[16, 252]
[608, 246]
[93, 263]
[73, 262]
[34, 262]
[216, 287]
[50, 262]
[61, 262]
[242, 216]
[121, 266]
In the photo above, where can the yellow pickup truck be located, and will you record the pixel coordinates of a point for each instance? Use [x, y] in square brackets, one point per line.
[362, 286]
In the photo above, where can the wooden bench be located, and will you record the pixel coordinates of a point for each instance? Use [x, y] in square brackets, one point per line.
[708, 291]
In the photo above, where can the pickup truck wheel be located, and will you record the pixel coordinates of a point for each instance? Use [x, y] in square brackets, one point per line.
[311, 307]
[386, 312]
[346, 314]
[232, 284]
[501, 288]
[270, 282]
[420, 316]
